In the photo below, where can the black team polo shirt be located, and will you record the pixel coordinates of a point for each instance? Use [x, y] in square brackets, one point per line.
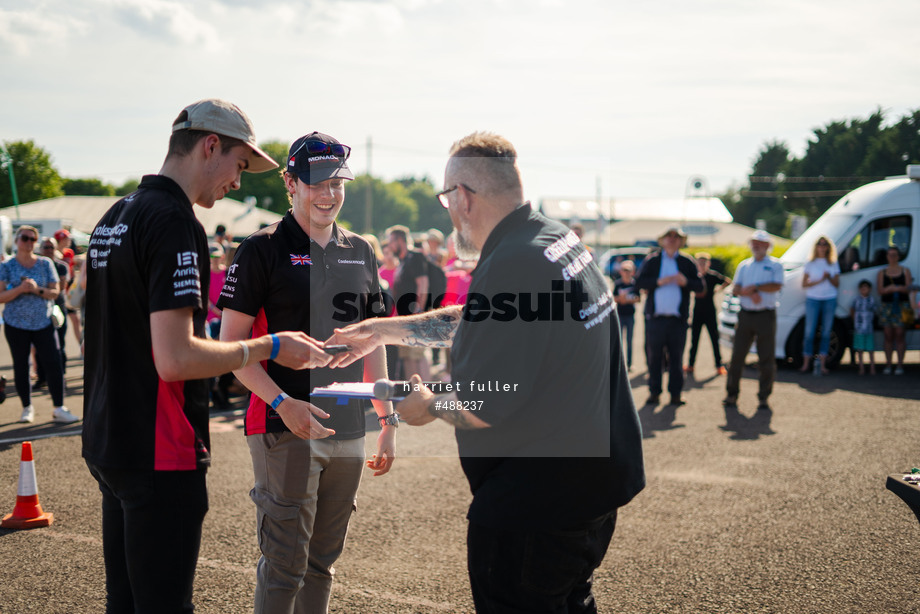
[287, 281]
[539, 349]
[148, 253]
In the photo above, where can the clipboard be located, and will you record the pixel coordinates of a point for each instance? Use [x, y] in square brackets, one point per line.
[343, 392]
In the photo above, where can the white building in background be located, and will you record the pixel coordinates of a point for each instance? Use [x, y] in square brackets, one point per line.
[81, 213]
[640, 221]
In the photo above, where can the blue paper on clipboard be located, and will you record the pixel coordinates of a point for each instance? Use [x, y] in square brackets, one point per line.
[345, 391]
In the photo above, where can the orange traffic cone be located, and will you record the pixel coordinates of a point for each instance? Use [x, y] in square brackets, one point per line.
[28, 512]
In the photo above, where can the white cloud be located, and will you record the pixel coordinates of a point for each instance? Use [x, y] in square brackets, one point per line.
[642, 95]
[167, 21]
[29, 31]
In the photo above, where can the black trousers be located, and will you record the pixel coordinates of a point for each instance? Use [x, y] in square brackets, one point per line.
[707, 319]
[151, 533]
[62, 337]
[666, 334]
[48, 354]
[518, 572]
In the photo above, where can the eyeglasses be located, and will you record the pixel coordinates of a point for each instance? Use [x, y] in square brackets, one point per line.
[28, 238]
[442, 195]
[318, 148]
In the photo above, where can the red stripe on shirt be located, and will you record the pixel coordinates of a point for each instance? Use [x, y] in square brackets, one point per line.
[174, 444]
[257, 413]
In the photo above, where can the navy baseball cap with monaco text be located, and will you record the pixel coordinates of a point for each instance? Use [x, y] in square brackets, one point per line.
[316, 157]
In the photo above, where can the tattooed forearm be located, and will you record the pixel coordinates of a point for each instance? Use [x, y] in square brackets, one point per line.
[434, 330]
[458, 418]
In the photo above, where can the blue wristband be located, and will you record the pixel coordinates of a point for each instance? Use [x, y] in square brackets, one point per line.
[276, 347]
[278, 400]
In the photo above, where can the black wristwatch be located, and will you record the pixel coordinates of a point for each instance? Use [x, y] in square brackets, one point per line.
[391, 419]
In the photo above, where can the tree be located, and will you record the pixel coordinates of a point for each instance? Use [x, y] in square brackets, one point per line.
[391, 204]
[36, 178]
[268, 187]
[88, 187]
[769, 165]
[894, 149]
[127, 187]
[430, 212]
[842, 155]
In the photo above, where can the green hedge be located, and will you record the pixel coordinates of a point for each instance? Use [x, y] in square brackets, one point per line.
[726, 258]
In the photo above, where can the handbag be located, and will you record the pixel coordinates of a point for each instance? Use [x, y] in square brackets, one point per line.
[57, 316]
[907, 314]
[75, 295]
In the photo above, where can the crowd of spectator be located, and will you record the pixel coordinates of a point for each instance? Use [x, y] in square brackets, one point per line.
[669, 281]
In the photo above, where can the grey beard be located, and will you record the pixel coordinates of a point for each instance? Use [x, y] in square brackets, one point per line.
[465, 250]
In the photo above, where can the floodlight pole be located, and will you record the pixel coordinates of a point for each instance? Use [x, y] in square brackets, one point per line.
[7, 161]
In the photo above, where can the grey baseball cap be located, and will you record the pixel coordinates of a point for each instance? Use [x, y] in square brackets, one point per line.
[226, 119]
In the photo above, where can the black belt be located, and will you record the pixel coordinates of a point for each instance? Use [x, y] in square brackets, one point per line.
[664, 317]
[757, 310]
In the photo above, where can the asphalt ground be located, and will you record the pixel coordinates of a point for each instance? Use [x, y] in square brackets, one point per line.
[744, 511]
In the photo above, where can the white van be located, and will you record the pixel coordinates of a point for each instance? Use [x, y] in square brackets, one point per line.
[862, 224]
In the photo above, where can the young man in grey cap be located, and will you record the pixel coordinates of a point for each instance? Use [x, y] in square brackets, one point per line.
[757, 283]
[145, 433]
[307, 452]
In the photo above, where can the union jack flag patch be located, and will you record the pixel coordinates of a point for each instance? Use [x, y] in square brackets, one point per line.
[295, 259]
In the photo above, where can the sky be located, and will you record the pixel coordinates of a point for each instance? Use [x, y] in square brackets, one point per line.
[600, 97]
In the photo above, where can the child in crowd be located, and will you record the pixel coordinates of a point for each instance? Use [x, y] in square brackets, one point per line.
[625, 295]
[863, 312]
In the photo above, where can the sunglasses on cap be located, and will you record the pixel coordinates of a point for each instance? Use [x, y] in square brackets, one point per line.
[317, 148]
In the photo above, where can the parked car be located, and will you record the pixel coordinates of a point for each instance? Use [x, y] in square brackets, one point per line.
[863, 225]
[608, 261]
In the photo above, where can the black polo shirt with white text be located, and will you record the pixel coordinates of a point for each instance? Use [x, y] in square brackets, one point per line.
[287, 281]
[537, 356]
[148, 253]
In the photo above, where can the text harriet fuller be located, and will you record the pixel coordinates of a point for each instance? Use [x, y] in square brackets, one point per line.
[400, 390]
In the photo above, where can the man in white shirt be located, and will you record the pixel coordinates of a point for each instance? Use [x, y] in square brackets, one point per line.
[758, 281]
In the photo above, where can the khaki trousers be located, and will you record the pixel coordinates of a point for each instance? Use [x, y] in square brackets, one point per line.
[751, 326]
[304, 494]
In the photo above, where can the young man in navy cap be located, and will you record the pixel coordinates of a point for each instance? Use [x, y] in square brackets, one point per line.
[307, 453]
[145, 430]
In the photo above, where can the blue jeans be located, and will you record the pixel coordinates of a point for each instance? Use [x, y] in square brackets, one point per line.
[531, 571]
[818, 311]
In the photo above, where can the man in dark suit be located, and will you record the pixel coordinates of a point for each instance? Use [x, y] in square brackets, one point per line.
[669, 277]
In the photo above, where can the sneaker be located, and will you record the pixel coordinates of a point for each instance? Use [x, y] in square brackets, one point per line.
[899, 371]
[28, 414]
[722, 371]
[763, 406]
[652, 400]
[730, 401]
[886, 370]
[61, 415]
[678, 401]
